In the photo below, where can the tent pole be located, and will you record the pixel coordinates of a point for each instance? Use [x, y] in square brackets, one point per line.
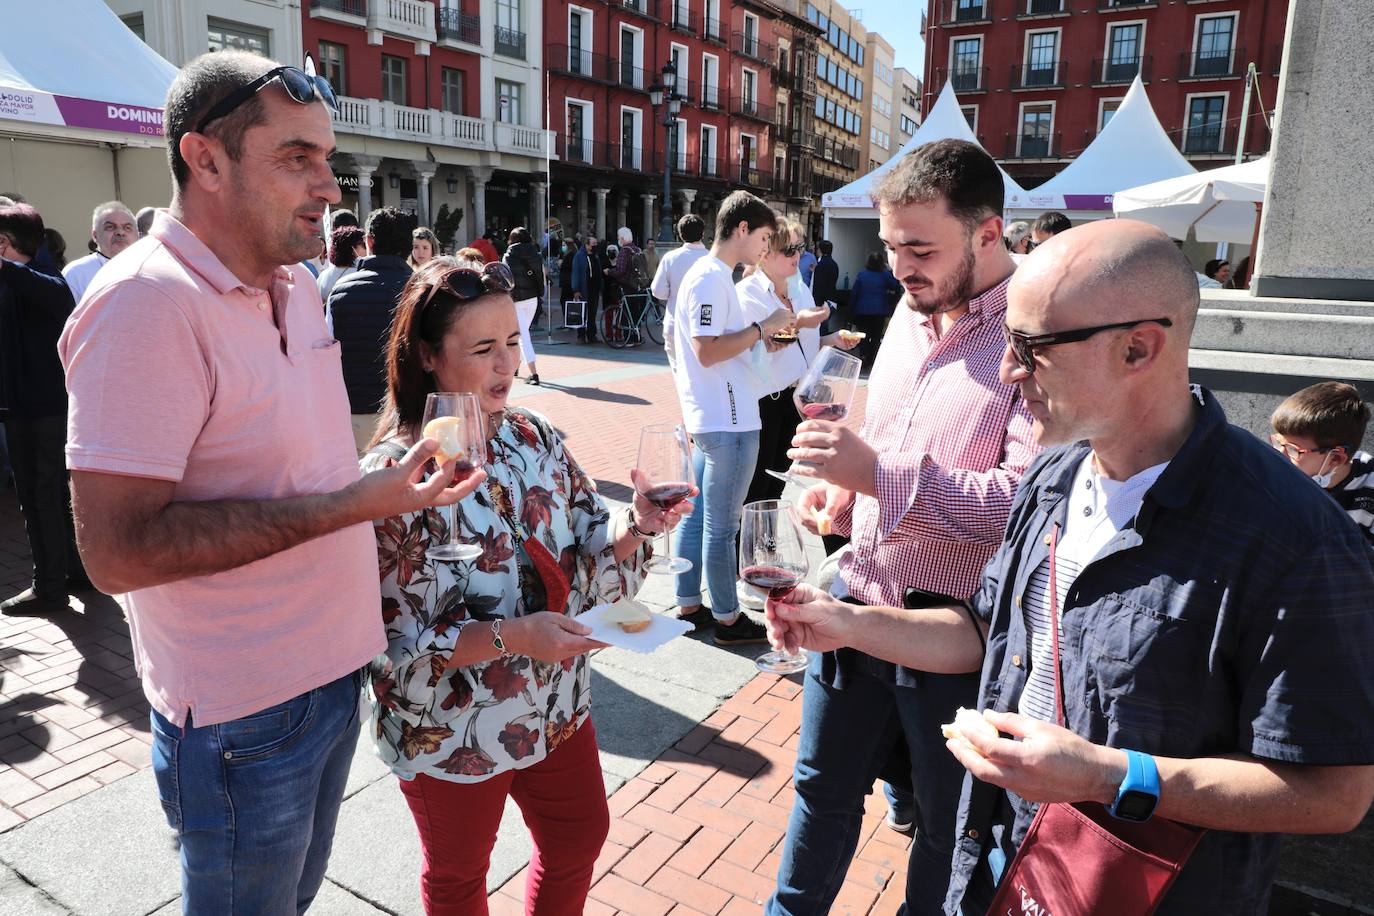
[1244, 129]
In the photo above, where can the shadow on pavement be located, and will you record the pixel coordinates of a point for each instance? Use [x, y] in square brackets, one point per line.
[614, 490]
[595, 394]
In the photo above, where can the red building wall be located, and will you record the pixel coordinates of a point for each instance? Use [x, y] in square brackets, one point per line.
[424, 87]
[1169, 43]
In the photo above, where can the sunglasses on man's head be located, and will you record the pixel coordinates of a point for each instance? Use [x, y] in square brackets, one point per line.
[302, 86]
[1023, 345]
[466, 284]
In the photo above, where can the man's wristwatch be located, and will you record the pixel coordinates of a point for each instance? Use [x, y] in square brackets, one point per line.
[758, 327]
[1139, 792]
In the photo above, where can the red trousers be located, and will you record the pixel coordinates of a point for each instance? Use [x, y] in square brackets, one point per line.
[563, 800]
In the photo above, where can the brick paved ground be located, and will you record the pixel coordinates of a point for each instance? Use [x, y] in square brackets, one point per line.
[699, 830]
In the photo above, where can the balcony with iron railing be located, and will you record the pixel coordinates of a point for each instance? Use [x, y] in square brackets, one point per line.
[577, 62]
[684, 164]
[687, 90]
[389, 121]
[1107, 6]
[824, 184]
[965, 12]
[753, 178]
[751, 108]
[458, 27]
[802, 137]
[509, 43]
[626, 75]
[712, 99]
[1044, 9]
[753, 46]
[646, 8]
[682, 18]
[1209, 141]
[965, 79]
[1033, 146]
[1197, 65]
[627, 158]
[409, 19]
[346, 12]
[1113, 71]
[1042, 75]
[585, 153]
[710, 167]
[713, 30]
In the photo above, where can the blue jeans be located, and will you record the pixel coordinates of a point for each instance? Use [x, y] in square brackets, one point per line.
[724, 464]
[846, 737]
[254, 801]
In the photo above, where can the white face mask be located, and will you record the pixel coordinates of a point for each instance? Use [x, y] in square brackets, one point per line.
[1323, 480]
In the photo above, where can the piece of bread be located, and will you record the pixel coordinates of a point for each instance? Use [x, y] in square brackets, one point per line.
[629, 615]
[446, 430]
[968, 722]
[853, 335]
[823, 522]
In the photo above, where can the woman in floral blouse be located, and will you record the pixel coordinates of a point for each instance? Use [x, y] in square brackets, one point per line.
[484, 688]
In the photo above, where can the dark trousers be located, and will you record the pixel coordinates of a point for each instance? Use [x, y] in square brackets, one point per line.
[873, 326]
[591, 331]
[40, 479]
[847, 737]
[780, 420]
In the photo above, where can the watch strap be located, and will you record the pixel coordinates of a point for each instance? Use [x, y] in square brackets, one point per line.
[1142, 775]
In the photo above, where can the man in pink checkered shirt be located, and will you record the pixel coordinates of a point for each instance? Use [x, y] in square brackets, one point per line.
[924, 493]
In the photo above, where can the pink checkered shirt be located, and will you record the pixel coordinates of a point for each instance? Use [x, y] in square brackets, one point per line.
[952, 444]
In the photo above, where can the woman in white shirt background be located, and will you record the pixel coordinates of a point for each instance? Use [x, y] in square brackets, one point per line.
[774, 284]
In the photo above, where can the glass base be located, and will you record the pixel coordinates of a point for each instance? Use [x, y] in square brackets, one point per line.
[779, 662]
[668, 566]
[453, 553]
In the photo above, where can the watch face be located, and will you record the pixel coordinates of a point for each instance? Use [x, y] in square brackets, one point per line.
[1134, 805]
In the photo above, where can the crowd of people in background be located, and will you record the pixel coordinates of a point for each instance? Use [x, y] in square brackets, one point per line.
[238, 414]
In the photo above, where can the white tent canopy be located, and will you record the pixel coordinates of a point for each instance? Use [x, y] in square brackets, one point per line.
[1133, 149]
[945, 122]
[54, 71]
[1219, 205]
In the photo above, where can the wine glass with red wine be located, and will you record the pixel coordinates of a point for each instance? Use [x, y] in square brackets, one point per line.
[772, 559]
[457, 423]
[826, 392]
[665, 479]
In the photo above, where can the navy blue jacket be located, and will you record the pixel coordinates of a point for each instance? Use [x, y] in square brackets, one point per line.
[362, 304]
[35, 303]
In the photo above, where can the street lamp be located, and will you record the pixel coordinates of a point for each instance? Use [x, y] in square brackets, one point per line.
[659, 94]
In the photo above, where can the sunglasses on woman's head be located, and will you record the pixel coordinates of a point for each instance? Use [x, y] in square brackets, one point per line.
[466, 284]
[302, 86]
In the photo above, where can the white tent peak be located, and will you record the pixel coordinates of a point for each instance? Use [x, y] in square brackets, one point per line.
[1133, 149]
[945, 121]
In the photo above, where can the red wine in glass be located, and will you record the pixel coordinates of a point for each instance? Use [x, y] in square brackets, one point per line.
[824, 411]
[777, 581]
[667, 495]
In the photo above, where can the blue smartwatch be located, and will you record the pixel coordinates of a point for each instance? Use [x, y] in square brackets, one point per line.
[1139, 792]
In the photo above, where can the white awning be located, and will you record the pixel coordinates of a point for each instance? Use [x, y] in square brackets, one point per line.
[76, 64]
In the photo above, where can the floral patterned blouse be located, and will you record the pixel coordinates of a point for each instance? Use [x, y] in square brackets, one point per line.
[468, 724]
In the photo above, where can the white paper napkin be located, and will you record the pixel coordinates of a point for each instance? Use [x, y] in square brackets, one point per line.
[661, 628]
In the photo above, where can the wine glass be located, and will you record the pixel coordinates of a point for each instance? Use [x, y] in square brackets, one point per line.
[826, 392]
[772, 559]
[665, 479]
[456, 421]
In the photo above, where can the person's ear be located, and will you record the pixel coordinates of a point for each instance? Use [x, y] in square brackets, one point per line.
[1144, 343]
[202, 156]
[1338, 456]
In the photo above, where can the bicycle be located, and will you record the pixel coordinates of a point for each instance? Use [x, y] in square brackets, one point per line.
[635, 316]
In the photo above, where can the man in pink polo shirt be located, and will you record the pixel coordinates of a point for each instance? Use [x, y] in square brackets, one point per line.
[215, 482]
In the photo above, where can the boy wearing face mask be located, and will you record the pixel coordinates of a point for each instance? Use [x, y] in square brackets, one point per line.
[1319, 429]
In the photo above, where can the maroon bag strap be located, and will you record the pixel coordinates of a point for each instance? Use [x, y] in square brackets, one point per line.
[1054, 629]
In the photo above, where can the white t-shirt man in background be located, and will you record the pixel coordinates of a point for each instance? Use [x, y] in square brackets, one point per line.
[672, 270]
[719, 395]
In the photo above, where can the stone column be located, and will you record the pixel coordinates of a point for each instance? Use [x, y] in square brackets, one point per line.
[649, 215]
[480, 177]
[537, 191]
[424, 174]
[1324, 110]
[364, 166]
[689, 196]
[601, 212]
[622, 210]
[581, 208]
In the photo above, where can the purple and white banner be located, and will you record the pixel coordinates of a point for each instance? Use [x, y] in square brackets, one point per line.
[45, 108]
